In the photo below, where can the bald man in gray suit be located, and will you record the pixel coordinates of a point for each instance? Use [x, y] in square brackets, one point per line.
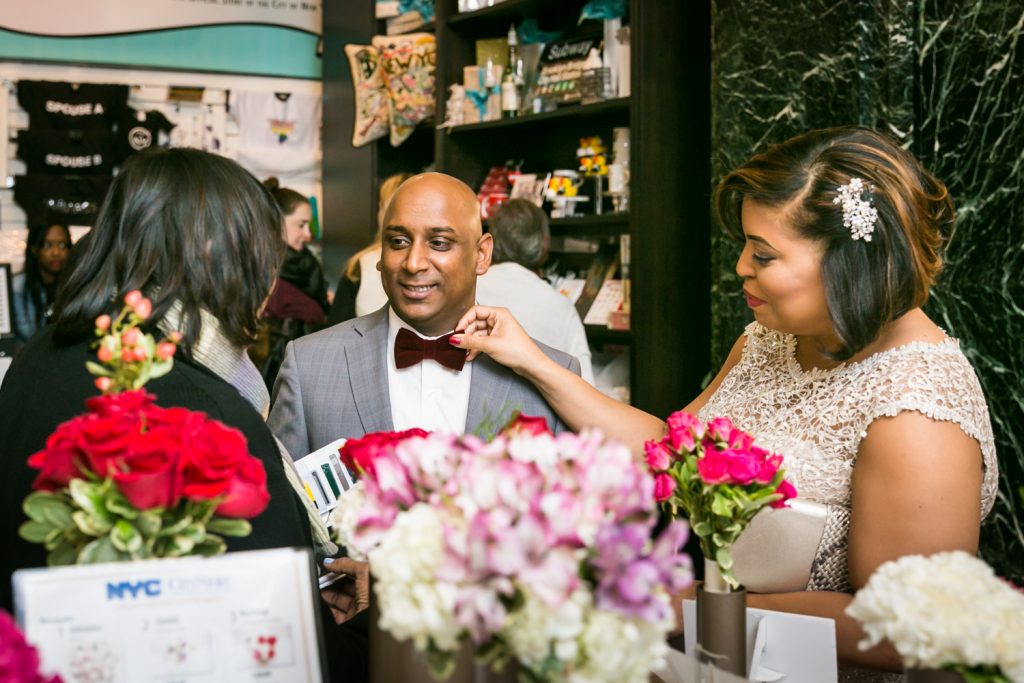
[395, 369]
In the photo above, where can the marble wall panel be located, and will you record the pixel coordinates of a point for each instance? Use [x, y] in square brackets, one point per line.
[946, 78]
[970, 133]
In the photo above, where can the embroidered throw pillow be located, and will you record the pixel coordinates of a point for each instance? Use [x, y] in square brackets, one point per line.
[371, 120]
[408, 62]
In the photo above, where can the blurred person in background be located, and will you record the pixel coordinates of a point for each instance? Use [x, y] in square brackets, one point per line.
[35, 289]
[298, 304]
[521, 241]
[359, 290]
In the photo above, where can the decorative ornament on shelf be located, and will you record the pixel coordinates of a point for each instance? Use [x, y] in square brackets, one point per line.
[718, 478]
[947, 612]
[130, 480]
[533, 547]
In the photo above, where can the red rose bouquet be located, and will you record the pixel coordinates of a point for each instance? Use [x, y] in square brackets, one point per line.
[131, 480]
[719, 479]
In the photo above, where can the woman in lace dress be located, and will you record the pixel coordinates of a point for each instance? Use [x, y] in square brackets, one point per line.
[877, 411]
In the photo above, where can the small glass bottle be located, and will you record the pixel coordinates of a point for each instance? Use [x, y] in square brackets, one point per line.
[509, 95]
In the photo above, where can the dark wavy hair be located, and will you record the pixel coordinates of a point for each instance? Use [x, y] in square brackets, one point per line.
[867, 284]
[179, 225]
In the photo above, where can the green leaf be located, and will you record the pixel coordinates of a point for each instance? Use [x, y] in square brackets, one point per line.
[723, 558]
[180, 545]
[64, 554]
[211, 545]
[149, 523]
[89, 497]
[161, 368]
[176, 526]
[53, 539]
[195, 532]
[89, 524]
[702, 529]
[37, 503]
[97, 369]
[35, 532]
[58, 513]
[721, 506]
[100, 550]
[229, 527]
[125, 537]
[117, 504]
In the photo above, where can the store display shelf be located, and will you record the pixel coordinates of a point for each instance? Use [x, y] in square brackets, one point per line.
[497, 18]
[609, 224]
[599, 335]
[619, 105]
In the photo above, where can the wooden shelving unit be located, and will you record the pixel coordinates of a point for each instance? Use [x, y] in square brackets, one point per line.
[668, 114]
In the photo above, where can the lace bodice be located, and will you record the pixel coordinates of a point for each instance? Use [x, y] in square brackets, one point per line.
[816, 419]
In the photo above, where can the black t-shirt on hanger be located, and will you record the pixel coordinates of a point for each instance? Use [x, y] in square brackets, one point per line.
[67, 152]
[139, 130]
[53, 104]
[73, 200]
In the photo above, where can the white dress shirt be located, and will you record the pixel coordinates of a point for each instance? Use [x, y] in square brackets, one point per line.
[546, 315]
[426, 395]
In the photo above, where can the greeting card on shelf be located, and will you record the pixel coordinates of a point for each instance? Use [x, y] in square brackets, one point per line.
[608, 301]
[604, 265]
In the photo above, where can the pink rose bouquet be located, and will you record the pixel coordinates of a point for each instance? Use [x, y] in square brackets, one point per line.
[131, 480]
[534, 547]
[717, 478]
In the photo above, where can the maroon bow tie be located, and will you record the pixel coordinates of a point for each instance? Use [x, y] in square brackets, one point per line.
[410, 349]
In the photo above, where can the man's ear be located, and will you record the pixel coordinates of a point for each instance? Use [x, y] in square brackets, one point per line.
[484, 248]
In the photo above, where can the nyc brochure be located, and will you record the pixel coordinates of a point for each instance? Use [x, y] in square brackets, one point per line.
[326, 480]
[793, 648]
[245, 616]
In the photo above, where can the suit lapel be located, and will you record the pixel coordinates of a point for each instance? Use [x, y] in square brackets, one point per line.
[488, 396]
[368, 375]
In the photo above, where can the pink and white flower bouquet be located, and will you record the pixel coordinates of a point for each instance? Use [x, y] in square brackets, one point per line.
[719, 479]
[537, 548]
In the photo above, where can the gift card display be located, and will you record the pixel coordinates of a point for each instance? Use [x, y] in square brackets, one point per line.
[245, 616]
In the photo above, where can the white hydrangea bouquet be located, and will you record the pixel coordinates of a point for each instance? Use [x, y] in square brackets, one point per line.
[945, 611]
[536, 548]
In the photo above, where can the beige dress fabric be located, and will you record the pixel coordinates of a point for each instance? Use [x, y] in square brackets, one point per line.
[816, 419]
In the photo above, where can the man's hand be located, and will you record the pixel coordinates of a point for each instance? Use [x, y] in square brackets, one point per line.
[351, 595]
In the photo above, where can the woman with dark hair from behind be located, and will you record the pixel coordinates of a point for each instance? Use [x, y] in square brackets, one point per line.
[35, 288]
[878, 413]
[201, 238]
[298, 304]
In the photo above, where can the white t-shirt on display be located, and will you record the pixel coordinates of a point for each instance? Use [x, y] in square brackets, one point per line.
[279, 133]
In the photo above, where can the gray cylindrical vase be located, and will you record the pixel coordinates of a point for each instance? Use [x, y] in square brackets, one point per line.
[722, 623]
[933, 676]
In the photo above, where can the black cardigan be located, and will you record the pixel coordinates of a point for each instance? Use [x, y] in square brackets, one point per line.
[48, 384]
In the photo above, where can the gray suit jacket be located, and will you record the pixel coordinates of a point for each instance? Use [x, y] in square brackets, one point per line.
[334, 384]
